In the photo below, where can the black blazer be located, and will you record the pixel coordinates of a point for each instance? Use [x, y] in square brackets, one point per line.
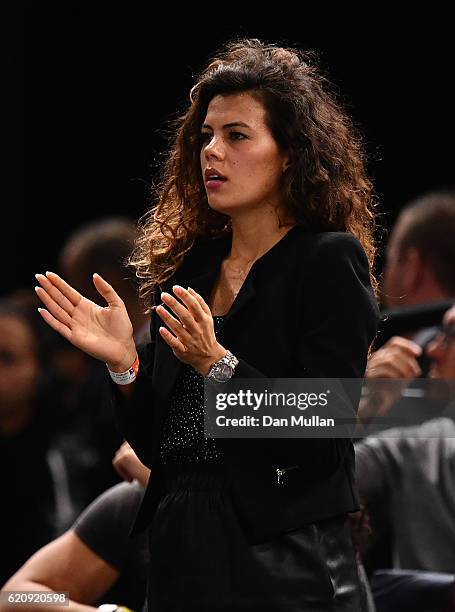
[306, 309]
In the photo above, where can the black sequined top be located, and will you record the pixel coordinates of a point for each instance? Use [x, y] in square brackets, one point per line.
[182, 438]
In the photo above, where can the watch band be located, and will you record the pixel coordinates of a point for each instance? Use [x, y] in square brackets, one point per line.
[113, 608]
[229, 359]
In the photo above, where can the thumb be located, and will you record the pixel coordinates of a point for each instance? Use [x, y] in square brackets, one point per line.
[106, 290]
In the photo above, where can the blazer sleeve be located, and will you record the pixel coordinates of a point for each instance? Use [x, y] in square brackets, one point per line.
[340, 313]
[134, 414]
[339, 319]
[339, 323]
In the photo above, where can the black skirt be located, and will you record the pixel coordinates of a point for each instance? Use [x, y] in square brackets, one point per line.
[201, 560]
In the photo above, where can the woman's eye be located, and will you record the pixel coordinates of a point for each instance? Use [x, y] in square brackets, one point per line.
[206, 136]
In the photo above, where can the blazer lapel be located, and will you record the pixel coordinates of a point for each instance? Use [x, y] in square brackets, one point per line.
[166, 366]
[245, 294]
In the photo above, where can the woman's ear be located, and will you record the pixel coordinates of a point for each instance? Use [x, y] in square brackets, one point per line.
[286, 164]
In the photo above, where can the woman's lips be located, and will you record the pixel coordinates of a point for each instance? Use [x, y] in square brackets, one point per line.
[215, 183]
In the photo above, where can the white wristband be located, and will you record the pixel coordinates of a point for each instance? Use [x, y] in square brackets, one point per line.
[125, 378]
[113, 608]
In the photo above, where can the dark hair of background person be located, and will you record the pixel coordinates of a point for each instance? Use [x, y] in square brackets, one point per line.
[428, 224]
[100, 246]
[326, 187]
[104, 246]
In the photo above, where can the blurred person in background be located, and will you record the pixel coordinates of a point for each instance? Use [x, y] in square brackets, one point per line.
[103, 244]
[419, 269]
[408, 473]
[420, 260]
[43, 474]
[95, 561]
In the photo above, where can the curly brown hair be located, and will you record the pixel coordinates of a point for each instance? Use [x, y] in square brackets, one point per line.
[325, 189]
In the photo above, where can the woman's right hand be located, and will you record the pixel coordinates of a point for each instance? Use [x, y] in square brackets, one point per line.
[104, 333]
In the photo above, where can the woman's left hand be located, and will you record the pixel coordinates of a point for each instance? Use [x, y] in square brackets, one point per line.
[193, 339]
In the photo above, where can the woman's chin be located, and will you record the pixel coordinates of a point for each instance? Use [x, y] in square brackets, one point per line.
[224, 209]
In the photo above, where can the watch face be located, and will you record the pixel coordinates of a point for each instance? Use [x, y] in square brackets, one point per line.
[222, 372]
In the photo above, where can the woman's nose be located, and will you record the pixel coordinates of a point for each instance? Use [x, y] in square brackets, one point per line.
[214, 148]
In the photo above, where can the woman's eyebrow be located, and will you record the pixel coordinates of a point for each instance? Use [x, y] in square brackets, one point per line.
[228, 125]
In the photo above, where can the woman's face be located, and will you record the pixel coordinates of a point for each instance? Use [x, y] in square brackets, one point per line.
[238, 146]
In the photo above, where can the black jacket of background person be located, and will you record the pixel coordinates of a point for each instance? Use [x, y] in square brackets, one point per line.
[305, 310]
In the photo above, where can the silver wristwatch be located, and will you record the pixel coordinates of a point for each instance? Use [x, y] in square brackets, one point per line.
[223, 369]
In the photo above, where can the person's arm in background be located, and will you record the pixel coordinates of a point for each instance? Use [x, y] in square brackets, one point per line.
[129, 467]
[66, 564]
[374, 461]
[395, 361]
[375, 545]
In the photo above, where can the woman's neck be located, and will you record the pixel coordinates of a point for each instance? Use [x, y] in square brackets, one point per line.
[252, 238]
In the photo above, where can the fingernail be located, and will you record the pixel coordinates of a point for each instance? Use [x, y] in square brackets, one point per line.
[36, 288]
[178, 288]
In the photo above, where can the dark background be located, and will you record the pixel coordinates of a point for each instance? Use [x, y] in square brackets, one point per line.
[102, 78]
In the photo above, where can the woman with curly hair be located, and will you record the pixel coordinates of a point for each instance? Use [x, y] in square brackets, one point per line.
[255, 261]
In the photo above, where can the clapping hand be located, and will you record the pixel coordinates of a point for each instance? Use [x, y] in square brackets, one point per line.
[104, 333]
[191, 336]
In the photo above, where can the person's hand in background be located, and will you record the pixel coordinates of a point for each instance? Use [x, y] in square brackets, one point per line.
[128, 466]
[395, 361]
